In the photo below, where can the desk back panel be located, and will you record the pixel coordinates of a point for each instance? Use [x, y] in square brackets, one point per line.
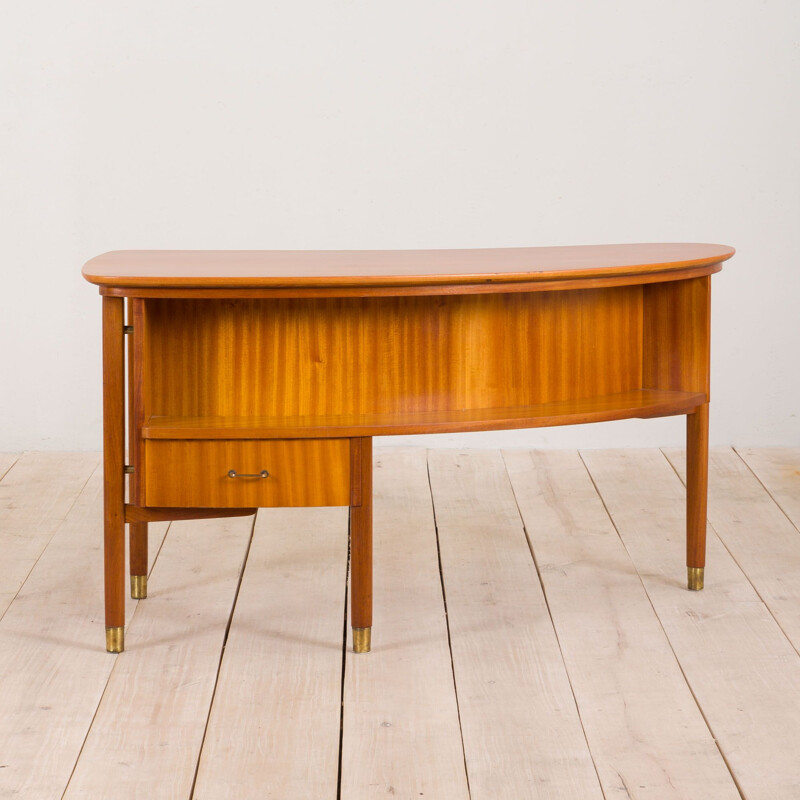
[304, 357]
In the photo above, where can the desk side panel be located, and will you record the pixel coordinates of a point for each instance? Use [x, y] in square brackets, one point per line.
[677, 335]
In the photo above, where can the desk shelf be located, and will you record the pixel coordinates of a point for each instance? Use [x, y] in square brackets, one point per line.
[640, 403]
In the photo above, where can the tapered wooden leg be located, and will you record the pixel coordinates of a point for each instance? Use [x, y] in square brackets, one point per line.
[696, 495]
[113, 472]
[137, 531]
[137, 534]
[361, 545]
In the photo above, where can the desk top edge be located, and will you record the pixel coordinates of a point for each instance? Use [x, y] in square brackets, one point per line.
[242, 269]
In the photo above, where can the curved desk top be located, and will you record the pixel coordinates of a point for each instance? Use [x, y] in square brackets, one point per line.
[399, 271]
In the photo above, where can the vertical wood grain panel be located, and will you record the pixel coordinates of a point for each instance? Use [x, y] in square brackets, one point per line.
[302, 472]
[677, 333]
[240, 358]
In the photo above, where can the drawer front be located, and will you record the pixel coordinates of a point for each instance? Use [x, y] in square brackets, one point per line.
[194, 473]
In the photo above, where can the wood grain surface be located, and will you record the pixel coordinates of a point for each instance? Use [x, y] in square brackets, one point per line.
[368, 268]
[647, 736]
[505, 653]
[311, 472]
[401, 734]
[640, 403]
[273, 731]
[616, 600]
[174, 639]
[742, 669]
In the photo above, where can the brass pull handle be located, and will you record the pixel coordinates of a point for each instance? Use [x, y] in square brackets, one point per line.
[234, 474]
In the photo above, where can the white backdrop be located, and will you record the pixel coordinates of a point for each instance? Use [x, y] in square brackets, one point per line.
[370, 124]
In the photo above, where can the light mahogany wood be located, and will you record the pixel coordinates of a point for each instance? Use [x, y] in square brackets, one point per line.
[641, 721]
[137, 530]
[696, 486]
[312, 472]
[641, 403]
[417, 290]
[742, 670]
[505, 653]
[114, 460]
[237, 356]
[139, 737]
[677, 335]
[401, 729]
[393, 356]
[375, 268]
[273, 731]
[136, 400]
[138, 515]
[361, 536]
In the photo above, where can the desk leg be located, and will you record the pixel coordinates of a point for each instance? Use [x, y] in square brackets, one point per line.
[114, 471]
[696, 494]
[361, 545]
[137, 531]
[137, 534]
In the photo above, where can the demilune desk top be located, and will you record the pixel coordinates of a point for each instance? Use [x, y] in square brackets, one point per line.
[273, 269]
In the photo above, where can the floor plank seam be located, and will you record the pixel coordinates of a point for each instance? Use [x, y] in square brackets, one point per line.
[666, 635]
[52, 536]
[766, 489]
[158, 552]
[89, 728]
[11, 466]
[553, 624]
[739, 566]
[447, 625]
[222, 654]
[103, 693]
[344, 668]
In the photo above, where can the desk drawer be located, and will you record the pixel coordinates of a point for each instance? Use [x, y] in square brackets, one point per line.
[195, 473]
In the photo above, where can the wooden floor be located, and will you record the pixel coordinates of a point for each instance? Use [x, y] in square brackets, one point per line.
[533, 638]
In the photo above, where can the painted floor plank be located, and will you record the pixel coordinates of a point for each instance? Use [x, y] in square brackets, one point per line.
[778, 468]
[743, 671]
[401, 729]
[36, 493]
[145, 744]
[274, 725]
[759, 536]
[645, 731]
[521, 731]
[53, 661]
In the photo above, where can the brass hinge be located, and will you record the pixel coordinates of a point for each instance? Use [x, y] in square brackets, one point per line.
[128, 469]
[127, 328]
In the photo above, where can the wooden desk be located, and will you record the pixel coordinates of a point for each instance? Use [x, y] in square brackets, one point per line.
[258, 378]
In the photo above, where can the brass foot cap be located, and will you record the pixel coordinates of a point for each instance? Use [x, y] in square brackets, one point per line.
[362, 640]
[115, 639]
[138, 587]
[696, 578]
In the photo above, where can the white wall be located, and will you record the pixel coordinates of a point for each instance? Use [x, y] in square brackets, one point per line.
[370, 124]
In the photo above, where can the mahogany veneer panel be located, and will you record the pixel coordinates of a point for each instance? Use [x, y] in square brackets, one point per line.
[677, 335]
[312, 472]
[642, 403]
[365, 268]
[389, 356]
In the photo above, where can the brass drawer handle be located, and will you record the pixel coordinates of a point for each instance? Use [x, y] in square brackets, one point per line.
[234, 474]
